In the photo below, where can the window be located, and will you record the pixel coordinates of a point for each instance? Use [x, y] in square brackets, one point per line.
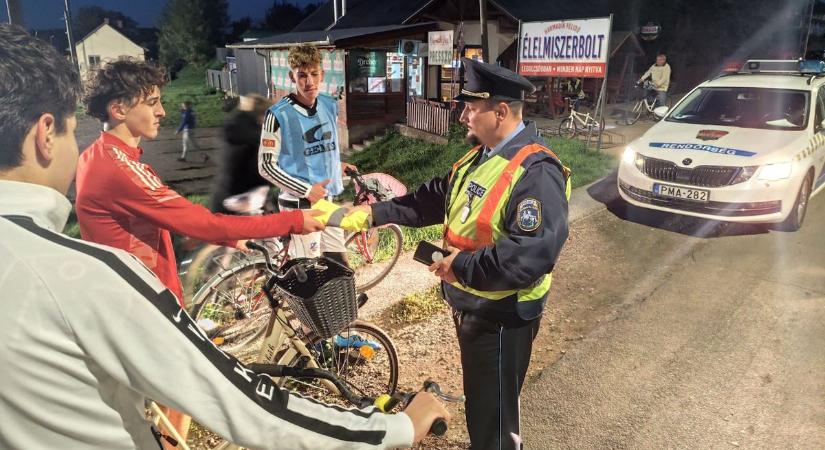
[746, 107]
[820, 109]
[94, 61]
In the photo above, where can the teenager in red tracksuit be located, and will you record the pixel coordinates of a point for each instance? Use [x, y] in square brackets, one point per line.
[122, 203]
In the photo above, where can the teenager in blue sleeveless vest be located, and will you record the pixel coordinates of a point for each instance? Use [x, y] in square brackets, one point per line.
[299, 151]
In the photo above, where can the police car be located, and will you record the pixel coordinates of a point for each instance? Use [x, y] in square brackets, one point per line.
[744, 147]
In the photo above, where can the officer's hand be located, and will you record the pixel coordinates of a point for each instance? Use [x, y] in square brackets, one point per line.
[444, 268]
[311, 224]
[423, 410]
[318, 191]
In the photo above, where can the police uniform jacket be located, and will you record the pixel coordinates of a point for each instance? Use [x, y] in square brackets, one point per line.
[522, 256]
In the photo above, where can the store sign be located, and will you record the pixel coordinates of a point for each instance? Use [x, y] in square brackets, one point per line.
[650, 31]
[367, 64]
[440, 47]
[575, 48]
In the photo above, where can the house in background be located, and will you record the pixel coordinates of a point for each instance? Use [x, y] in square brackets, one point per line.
[105, 43]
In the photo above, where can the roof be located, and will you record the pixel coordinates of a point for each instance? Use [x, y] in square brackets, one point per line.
[368, 13]
[334, 37]
[775, 81]
[621, 38]
[361, 13]
[104, 24]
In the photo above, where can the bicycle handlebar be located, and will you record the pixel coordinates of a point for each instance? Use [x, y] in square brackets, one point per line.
[438, 427]
[362, 185]
[298, 270]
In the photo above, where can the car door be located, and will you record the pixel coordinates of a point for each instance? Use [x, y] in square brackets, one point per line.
[819, 129]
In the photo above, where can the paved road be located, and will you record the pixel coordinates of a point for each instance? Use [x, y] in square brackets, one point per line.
[716, 341]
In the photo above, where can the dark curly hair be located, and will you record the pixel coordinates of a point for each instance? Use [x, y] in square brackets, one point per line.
[34, 80]
[125, 80]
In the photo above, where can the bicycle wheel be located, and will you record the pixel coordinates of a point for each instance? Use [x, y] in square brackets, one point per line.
[373, 253]
[362, 355]
[634, 116]
[567, 128]
[233, 311]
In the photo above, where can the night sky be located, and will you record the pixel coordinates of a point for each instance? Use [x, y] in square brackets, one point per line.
[42, 14]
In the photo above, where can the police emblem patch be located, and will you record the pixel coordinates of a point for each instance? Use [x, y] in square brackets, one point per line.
[529, 214]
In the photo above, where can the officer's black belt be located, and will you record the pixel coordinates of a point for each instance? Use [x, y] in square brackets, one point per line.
[300, 203]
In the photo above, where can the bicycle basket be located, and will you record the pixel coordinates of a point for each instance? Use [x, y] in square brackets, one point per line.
[326, 301]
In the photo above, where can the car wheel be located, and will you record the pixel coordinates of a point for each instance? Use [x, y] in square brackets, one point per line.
[797, 215]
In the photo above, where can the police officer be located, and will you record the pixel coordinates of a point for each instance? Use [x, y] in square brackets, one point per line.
[504, 209]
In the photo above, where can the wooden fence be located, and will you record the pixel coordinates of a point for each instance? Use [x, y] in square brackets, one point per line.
[432, 117]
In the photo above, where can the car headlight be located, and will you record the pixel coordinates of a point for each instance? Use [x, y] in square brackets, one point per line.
[778, 171]
[745, 174]
[631, 157]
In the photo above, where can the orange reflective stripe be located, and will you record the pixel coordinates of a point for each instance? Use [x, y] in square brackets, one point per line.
[463, 160]
[461, 242]
[484, 228]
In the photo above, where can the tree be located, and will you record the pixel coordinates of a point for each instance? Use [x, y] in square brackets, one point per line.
[237, 28]
[90, 17]
[283, 16]
[189, 30]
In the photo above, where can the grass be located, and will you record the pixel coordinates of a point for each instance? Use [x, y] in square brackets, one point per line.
[191, 85]
[415, 307]
[414, 161]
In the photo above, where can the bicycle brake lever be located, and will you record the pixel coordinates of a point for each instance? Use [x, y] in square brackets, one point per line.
[433, 387]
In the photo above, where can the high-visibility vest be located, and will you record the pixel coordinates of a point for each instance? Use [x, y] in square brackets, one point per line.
[472, 224]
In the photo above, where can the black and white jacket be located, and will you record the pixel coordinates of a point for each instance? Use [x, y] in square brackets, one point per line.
[87, 333]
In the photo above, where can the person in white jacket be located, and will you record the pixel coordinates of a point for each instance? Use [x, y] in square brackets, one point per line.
[659, 74]
[88, 332]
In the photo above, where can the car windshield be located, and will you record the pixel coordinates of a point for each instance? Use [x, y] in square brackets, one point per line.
[746, 107]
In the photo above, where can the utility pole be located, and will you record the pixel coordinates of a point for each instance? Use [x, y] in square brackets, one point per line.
[485, 54]
[67, 15]
[807, 35]
[15, 12]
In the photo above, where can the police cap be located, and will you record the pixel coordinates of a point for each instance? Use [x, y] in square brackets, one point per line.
[490, 81]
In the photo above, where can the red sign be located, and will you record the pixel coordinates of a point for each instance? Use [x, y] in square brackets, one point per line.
[560, 69]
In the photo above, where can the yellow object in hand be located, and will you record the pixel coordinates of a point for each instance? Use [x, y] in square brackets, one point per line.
[336, 216]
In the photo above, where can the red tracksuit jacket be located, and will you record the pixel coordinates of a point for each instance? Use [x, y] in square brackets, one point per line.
[122, 203]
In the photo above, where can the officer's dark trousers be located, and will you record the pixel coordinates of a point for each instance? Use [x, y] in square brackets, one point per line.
[494, 357]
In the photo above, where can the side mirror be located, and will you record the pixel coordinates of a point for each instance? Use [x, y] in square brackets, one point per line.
[660, 112]
[821, 126]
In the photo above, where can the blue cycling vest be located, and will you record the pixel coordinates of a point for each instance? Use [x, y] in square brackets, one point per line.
[309, 144]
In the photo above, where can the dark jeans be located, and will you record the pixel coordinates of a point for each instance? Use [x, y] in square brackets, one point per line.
[494, 357]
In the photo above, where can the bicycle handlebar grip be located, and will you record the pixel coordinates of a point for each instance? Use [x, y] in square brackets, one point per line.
[252, 245]
[351, 172]
[439, 427]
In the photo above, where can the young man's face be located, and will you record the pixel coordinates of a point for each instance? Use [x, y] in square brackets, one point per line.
[143, 118]
[65, 153]
[660, 60]
[480, 119]
[307, 80]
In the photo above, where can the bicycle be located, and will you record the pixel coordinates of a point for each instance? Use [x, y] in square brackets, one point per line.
[373, 253]
[245, 304]
[568, 128]
[648, 102]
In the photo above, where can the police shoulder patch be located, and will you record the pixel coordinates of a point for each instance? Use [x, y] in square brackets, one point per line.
[529, 214]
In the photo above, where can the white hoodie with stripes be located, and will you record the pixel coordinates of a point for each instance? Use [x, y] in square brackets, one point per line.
[87, 333]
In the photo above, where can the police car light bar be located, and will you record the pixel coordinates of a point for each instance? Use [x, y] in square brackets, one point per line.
[812, 67]
[770, 66]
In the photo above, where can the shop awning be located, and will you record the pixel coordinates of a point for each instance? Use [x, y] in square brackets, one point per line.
[335, 38]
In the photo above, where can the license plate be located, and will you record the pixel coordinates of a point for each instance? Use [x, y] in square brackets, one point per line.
[697, 195]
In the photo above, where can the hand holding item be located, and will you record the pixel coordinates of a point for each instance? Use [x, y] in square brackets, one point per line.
[353, 219]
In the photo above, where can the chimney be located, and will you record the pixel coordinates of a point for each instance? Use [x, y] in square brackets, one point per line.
[120, 24]
[106, 20]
